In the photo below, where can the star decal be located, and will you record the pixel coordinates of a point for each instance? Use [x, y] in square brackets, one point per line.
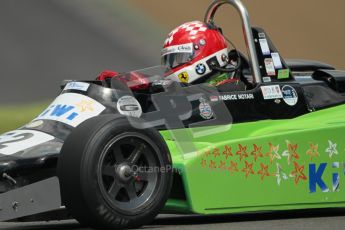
[263, 171]
[273, 153]
[227, 151]
[332, 149]
[291, 152]
[85, 105]
[248, 169]
[242, 152]
[207, 153]
[256, 153]
[313, 151]
[212, 164]
[216, 152]
[280, 174]
[203, 163]
[298, 173]
[233, 167]
[222, 165]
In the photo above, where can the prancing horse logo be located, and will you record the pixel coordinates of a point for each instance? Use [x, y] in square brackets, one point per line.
[184, 78]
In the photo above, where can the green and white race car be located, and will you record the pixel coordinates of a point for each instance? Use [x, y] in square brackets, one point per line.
[114, 157]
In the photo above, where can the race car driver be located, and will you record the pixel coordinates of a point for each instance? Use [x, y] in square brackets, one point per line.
[195, 53]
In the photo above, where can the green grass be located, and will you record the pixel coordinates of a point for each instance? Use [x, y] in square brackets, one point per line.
[13, 117]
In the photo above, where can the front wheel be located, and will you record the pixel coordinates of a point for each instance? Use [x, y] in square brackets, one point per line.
[114, 176]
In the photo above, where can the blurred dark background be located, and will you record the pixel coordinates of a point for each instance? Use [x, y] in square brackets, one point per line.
[43, 42]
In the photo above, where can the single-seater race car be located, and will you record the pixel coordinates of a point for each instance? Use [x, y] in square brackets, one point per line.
[114, 155]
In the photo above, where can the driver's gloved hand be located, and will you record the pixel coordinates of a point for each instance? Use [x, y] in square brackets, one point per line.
[107, 74]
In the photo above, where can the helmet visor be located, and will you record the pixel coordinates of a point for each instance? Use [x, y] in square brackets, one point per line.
[174, 60]
[174, 56]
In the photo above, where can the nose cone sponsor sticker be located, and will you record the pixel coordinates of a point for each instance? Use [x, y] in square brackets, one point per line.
[72, 109]
[129, 106]
[81, 86]
[290, 95]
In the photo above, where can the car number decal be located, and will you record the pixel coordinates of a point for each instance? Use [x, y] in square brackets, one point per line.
[19, 140]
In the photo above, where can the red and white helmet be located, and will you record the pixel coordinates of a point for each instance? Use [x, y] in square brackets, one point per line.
[189, 50]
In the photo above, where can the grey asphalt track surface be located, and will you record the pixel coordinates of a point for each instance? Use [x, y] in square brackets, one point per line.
[321, 219]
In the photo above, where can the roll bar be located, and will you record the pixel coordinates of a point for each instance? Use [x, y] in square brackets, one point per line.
[247, 31]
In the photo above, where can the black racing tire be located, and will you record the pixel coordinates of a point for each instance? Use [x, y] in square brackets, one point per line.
[127, 199]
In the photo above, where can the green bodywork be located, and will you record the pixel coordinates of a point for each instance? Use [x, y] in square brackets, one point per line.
[264, 166]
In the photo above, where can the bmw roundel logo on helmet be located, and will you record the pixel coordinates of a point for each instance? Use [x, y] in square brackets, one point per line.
[200, 69]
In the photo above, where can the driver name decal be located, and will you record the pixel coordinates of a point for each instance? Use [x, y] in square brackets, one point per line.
[233, 97]
[72, 109]
[19, 140]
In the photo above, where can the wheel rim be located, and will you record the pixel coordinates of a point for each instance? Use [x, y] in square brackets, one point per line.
[127, 172]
